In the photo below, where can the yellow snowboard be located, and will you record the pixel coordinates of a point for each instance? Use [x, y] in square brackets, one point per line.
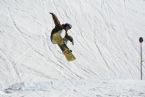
[68, 53]
[57, 39]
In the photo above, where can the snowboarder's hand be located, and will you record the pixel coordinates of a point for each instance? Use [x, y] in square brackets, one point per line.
[72, 42]
[70, 39]
[51, 13]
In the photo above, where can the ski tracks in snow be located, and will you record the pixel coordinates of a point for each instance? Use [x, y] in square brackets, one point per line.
[79, 88]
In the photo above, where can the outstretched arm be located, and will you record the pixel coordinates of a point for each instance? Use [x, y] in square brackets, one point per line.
[68, 37]
[55, 19]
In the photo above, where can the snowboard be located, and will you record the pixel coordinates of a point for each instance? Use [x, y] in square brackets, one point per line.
[57, 39]
[67, 52]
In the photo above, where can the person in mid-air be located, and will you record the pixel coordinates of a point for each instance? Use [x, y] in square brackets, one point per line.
[56, 32]
[56, 37]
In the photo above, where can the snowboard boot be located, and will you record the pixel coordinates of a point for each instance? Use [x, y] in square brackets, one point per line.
[67, 51]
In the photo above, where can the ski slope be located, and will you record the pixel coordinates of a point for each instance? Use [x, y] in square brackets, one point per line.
[106, 45]
[77, 88]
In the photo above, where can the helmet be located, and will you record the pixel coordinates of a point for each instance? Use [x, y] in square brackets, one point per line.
[67, 25]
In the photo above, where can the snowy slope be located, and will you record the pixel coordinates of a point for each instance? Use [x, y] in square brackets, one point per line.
[105, 33]
[77, 88]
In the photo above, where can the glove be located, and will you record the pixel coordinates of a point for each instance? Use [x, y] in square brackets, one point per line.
[72, 42]
[51, 13]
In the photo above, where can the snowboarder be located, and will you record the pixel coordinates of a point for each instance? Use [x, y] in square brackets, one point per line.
[56, 37]
[56, 32]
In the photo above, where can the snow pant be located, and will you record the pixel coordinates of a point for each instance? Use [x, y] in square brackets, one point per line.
[57, 39]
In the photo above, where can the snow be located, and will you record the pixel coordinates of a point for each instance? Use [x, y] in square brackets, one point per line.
[106, 48]
[78, 88]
